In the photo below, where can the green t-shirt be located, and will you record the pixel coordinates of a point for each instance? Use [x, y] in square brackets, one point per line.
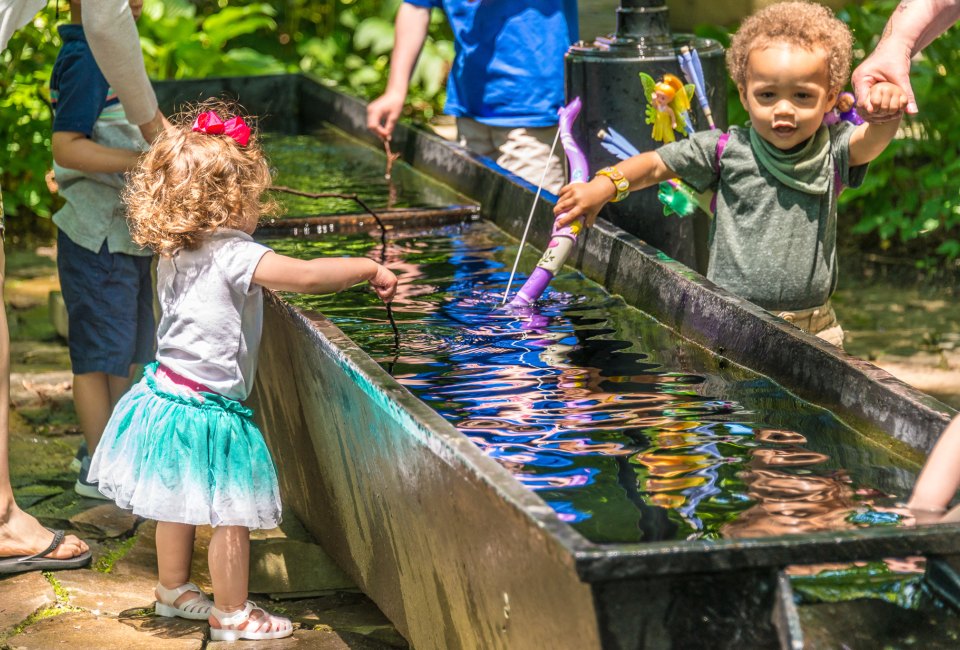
[772, 244]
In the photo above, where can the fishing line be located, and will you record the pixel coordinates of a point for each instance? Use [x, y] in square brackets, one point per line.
[523, 239]
[383, 234]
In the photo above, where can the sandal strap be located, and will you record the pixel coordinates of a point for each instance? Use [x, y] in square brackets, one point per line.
[169, 596]
[54, 543]
[234, 618]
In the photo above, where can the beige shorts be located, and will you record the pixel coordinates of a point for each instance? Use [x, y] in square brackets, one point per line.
[821, 321]
[523, 151]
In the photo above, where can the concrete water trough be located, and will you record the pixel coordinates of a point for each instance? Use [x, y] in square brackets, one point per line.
[458, 553]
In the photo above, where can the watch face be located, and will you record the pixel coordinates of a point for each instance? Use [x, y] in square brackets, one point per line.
[623, 185]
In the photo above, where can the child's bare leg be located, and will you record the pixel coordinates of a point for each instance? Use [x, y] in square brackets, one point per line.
[174, 556]
[940, 477]
[95, 394]
[91, 396]
[120, 385]
[229, 559]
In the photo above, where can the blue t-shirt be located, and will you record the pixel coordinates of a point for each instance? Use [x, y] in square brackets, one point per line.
[84, 103]
[508, 68]
[78, 89]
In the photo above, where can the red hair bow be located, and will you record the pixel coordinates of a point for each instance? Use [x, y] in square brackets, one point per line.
[235, 127]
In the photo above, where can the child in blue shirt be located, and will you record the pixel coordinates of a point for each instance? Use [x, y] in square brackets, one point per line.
[105, 278]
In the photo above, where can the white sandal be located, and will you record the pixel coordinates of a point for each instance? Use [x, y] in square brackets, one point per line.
[279, 627]
[196, 608]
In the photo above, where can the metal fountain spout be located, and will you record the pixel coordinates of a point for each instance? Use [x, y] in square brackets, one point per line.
[641, 23]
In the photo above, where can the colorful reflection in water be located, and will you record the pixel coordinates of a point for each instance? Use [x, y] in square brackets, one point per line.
[629, 432]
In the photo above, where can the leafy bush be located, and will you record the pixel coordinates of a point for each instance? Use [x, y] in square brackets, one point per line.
[355, 55]
[345, 42]
[25, 119]
[177, 43]
[910, 201]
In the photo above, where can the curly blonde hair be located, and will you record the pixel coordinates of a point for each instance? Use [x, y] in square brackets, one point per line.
[803, 24]
[191, 183]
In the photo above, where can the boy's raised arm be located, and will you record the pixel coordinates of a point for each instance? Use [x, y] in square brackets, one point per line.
[870, 139]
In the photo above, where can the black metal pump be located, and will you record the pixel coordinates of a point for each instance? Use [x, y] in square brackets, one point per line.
[605, 75]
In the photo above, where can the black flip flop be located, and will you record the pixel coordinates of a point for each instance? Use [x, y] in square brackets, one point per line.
[37, 561]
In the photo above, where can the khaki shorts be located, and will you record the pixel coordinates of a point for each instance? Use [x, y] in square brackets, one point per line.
[523, 151]
[821, 321]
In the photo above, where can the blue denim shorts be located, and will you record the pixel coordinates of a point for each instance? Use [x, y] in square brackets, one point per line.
[109, 299]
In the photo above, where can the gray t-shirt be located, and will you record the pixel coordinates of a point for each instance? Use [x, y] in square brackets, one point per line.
[772, 244]
[212, 312]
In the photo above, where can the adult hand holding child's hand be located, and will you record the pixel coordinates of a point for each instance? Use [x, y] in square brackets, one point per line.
[583, 199]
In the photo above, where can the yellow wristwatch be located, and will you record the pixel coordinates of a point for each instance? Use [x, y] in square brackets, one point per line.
[619, 182]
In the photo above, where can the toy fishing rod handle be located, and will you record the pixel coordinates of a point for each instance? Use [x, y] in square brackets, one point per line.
[562, 240]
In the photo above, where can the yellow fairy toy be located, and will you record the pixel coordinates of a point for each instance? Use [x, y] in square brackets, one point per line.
[669, 101]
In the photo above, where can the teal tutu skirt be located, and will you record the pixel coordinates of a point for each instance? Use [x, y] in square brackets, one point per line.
[171, 454]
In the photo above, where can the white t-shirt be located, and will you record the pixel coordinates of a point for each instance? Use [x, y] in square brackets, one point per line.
[14, 14]
[212, 312]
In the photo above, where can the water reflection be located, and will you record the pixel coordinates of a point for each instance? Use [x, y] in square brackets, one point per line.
[628, 432]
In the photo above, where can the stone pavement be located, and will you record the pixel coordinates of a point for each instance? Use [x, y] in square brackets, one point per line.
[110, 603]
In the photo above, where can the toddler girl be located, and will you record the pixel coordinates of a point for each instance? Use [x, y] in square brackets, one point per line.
[180, 447]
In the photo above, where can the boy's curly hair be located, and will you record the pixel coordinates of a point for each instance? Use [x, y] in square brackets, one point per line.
[191, 183]
[803, 24]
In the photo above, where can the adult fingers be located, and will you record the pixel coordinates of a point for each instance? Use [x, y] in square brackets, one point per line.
[861, 89]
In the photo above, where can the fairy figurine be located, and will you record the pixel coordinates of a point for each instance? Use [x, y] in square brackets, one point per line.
[668, 106]
[845, 110]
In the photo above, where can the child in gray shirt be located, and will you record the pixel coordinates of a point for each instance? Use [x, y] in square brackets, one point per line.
[777, 180]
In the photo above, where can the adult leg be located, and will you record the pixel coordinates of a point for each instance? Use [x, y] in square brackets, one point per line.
[526, 152]
[20, 533]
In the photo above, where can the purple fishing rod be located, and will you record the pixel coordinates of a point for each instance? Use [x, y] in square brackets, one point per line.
[563, 240]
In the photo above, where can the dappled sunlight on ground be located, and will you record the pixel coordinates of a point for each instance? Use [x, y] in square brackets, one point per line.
[911, 332]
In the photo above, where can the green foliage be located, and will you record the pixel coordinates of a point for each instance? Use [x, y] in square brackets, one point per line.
[346, 43]
[354, 55]
[177, 43]
[910, 201]
[25, 119]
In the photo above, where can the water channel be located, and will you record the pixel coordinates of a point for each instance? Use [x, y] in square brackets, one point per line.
[628, 431]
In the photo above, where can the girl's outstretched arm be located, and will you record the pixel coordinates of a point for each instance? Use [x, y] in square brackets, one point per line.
[323, 275]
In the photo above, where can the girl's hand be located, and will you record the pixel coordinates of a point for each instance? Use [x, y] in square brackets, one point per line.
[384, 282]
[583, 199]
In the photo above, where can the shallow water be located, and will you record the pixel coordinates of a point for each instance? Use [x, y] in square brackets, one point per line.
[628, 431]
[331, 161]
